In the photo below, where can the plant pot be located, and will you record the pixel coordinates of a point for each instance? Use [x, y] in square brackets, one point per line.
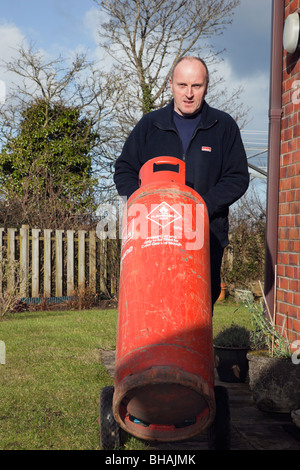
[222, 295]
[295, 415]
[231, 363]
[242, 295]
[274, 382]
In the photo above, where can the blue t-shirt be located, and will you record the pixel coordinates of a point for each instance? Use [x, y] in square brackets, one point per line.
[186, 126]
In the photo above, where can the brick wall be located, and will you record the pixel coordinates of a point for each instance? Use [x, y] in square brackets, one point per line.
[288, 257]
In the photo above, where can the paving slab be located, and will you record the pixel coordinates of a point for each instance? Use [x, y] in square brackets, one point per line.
[251, 429]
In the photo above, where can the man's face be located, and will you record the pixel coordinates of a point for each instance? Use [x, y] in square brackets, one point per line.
[189, 86]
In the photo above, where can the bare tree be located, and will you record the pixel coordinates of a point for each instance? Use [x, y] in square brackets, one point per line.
[243, 262]
[50, 206]
[146, 38]
[76, 83]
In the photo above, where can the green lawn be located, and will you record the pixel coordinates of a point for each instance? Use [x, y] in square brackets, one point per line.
[50, 384]
[226, 313]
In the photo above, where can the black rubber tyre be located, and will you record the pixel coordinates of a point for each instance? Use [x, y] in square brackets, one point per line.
[219, 432]
[110, 431]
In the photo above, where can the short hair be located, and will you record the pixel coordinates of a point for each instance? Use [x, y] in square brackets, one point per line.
[191, 58]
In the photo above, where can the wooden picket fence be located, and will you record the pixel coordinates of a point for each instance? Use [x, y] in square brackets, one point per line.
[56, 263]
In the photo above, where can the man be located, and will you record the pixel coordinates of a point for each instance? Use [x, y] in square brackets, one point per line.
[206, 138]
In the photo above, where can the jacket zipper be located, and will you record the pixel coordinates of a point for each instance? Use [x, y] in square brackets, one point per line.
[194, 135]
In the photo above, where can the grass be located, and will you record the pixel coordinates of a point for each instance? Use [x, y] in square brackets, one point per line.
[52, 378]
[226, 313]
[53, 375]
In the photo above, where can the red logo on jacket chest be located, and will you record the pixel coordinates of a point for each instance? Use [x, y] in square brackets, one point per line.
[205, 149]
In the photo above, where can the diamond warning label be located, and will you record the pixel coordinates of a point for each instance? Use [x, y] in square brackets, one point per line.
[164, 215]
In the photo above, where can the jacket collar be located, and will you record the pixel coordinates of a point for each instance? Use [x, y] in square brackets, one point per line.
[208, 118]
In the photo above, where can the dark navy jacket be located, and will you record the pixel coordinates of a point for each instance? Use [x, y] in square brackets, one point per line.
[216, 163]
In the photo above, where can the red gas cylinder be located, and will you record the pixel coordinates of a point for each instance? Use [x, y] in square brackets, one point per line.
[164, 373]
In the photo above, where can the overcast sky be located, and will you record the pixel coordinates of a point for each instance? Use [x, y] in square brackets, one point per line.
[63, 26]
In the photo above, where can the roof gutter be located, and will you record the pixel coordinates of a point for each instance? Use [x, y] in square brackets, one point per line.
[275, 113]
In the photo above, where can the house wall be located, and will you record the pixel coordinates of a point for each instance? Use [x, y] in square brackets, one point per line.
[288, 256]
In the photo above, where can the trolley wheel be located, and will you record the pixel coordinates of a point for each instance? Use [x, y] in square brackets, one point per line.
[219, 432]
[110, 431]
